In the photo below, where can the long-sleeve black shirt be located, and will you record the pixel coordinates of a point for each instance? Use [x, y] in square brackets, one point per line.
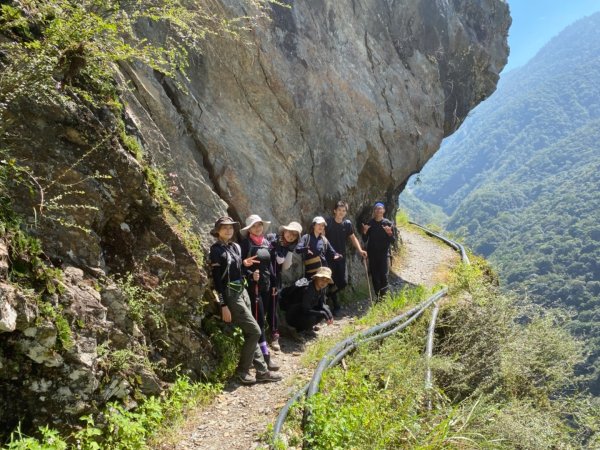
[313, 300]
[226, 263]
[265, 268]
[377, 240]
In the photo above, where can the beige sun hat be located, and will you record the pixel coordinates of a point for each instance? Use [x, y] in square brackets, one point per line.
[251, 220]
[324, 272]
[292, 226]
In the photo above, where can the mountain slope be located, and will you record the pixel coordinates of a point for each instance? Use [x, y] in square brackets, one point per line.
[521, 178]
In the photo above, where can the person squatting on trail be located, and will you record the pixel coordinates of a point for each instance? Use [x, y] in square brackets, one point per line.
[311, 310]
[378, 234]
[256, 251]
[339, 230]
[283, 246]
[315, 248]
[227, 273]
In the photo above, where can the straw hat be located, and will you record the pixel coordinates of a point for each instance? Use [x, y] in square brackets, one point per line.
[324, 272]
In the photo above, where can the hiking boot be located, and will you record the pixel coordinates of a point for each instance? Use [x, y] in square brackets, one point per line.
[267, 377]
[246, 378]
[272, 365]
[275, 343]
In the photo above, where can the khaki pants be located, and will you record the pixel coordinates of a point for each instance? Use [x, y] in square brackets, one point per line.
[241, 315]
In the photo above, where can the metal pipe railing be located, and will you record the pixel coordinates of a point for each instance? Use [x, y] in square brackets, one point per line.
[456, 245]
[378, 332]
[429, 353]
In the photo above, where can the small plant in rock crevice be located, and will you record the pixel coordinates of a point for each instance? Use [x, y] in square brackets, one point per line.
[143, 302]
[227, 342]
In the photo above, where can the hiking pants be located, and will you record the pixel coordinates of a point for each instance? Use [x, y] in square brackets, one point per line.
[378, 266]
[241, 315]
[257, 303]
[270, 302]
[338, 269]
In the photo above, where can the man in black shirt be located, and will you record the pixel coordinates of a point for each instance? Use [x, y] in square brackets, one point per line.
[378, 234]
[339, 230]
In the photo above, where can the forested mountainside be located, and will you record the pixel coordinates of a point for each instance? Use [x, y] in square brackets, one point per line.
[521, 179]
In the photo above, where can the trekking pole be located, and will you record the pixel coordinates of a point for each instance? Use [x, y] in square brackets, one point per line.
[273, 310]
[256, 300]
[368, 282]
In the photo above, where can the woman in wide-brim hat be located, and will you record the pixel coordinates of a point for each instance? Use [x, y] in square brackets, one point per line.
[256, 248]
[227, 273]
[286, 242]
[293, 227]
[251, 221]
[282, 252]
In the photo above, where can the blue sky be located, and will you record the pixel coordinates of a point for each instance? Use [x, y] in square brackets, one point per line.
[535, 22]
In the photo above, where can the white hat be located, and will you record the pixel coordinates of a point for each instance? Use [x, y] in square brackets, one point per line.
[319, 219]
[292, 226]
[251, 220]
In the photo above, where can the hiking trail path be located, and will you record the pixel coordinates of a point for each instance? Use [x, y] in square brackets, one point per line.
[240, 415]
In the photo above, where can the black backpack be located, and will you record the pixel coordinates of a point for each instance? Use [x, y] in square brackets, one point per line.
[291, 295]
[264, 259]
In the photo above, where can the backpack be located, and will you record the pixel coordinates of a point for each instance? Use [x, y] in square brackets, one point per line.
[263, 252]
[292, 295]
[264, 258]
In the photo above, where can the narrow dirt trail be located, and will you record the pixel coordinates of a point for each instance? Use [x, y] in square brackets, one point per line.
[241, 414]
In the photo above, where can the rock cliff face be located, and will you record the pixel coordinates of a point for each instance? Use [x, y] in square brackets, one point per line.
[326, 100]
[92, 336]
[329, 100]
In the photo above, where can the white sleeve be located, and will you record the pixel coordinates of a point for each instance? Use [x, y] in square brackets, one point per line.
[287, 263]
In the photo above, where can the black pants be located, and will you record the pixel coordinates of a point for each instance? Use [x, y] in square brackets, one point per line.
[270, 302]
[258, 309]
[265, 308]
[338, 269]
[301, 319]
[379, 267]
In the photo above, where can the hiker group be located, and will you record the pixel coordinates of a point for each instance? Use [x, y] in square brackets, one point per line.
[248, 278]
